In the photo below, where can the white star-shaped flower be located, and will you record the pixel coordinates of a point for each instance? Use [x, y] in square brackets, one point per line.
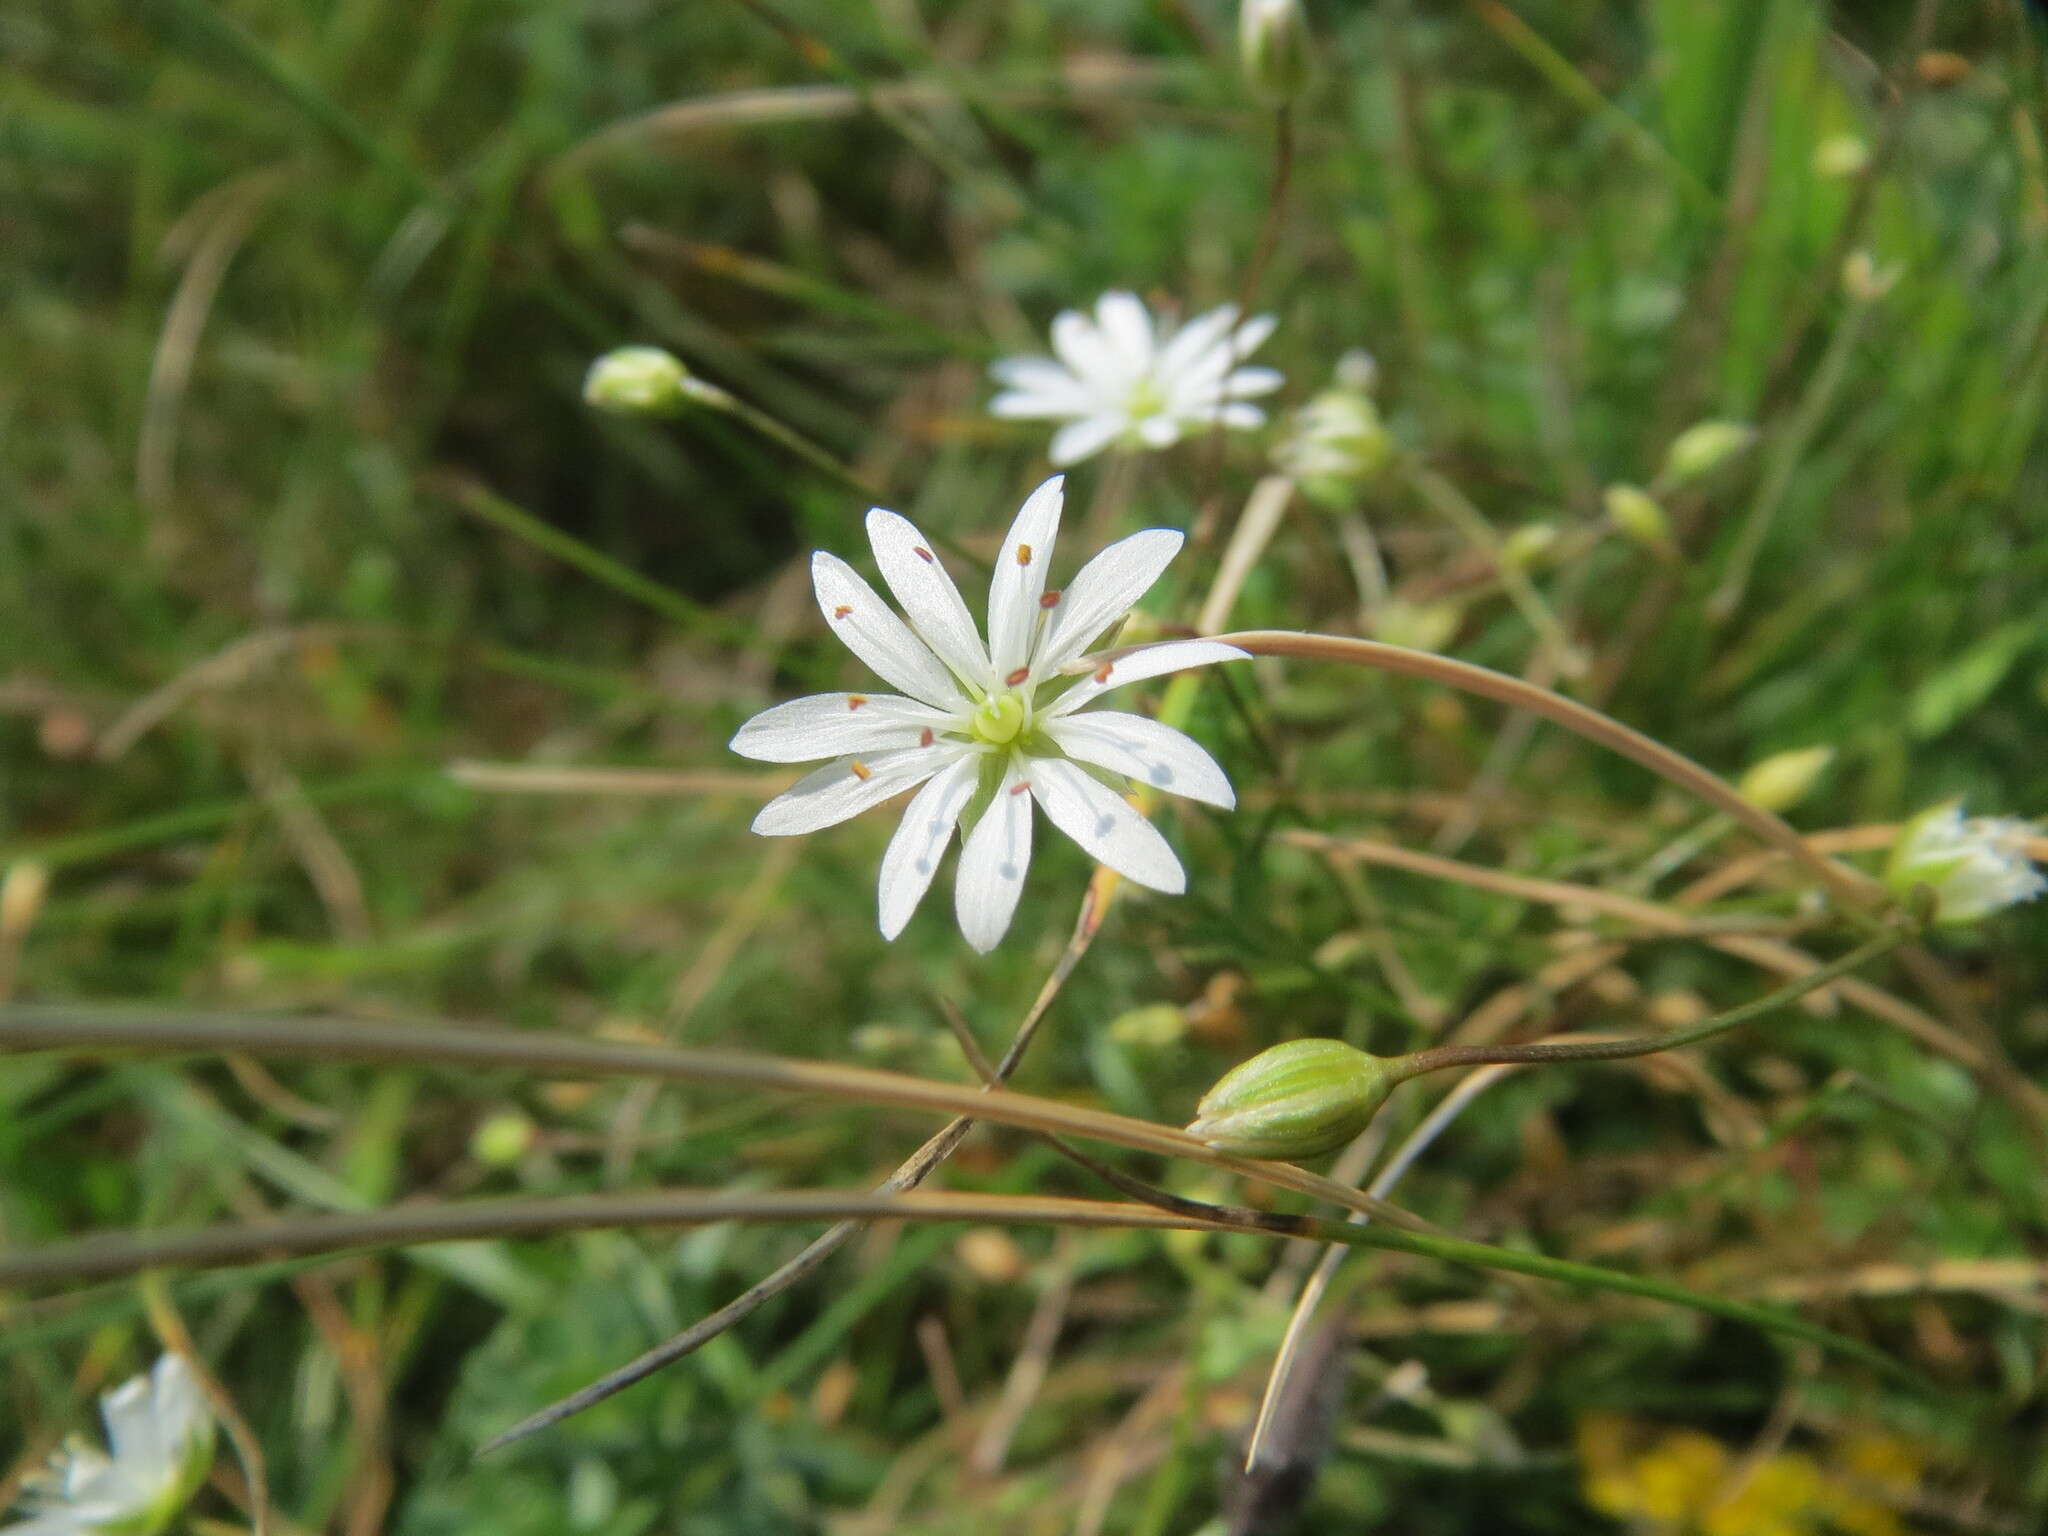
[1975, 866]
[160, 1433]
[987, 729]
[1121, 377]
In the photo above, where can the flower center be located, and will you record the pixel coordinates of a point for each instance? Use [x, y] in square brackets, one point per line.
[1146, 399]
[999, 719]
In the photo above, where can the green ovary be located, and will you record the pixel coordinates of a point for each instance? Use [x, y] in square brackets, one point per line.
[999, 720]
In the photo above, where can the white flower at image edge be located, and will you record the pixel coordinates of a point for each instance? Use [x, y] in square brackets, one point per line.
[159, 1446]
[1121, 378]
[988, 729]
[1975, 866]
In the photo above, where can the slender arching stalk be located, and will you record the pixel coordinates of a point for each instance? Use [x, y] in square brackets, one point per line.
[1854, 890]
[1438, 1058]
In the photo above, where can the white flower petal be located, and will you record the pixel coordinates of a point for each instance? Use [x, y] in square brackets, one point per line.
[1196, 339]
[1246, 382]
[1152, 661]
[181, 1407]
[1159, 431]
[828, 724]
[867, 627]
[1082, 439]
[920, 841]
[1019, 579]
[836, 792]
[1085, 350]
[930, 600]
[134, 1434]
[1102, 592]
[1238, 414]
[993, 862]
[1127, 326]
[1023, 405]
[1250, 336]
[1146, 751]
[48, 1522]
[1036, 376]
[1105, 825]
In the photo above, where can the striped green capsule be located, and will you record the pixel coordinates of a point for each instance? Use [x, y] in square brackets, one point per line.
[1296, 1099]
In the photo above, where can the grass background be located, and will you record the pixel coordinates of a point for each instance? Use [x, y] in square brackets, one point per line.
[294, 290]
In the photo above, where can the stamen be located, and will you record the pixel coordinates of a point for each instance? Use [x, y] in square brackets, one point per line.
[855, 700]
[1019, 788]
[925, 737]
[842, 610]
[1051, 599]
[923, 554]
[1023, 554]
[1017, 676]
[861, 770]
[1102, 672]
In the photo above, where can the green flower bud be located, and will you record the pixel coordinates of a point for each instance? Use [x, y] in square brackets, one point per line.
[1865, 281]
[1842, 156]
[503, 1139]
[644, 381]
[1528, 544]
[1704, 447]
[1783, 779]
[1338, 443]
[1419, 626]
[1152, 1027]
[1273, 43]
[1295, 1100]
[1636, 513]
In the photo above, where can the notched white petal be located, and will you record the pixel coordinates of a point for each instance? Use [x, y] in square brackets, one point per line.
[1144, 751]
[1105, 825]
[867, 627]
[1085, 438]
[1019, 578]
[845, 788]
[1127, 325]
[930, 600]
[1136, 666]
[993, 862]
[1102, 592]
[827, 724]
[920, 842]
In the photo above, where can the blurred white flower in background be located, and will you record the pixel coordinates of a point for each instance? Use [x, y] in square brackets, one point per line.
[160, 1435]
[1975, 866]
[1123, 377]
[987, 729]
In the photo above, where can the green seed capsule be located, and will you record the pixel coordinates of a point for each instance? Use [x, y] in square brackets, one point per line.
[1294, 1100]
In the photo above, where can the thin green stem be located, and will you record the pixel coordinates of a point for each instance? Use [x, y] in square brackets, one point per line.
[1453, 506]
[485, 504]
[102, 1256]
[1440, 1057]
[1785, 460]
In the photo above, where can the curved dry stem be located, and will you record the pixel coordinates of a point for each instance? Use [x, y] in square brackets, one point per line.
[1853, 889]
[79, 1029]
